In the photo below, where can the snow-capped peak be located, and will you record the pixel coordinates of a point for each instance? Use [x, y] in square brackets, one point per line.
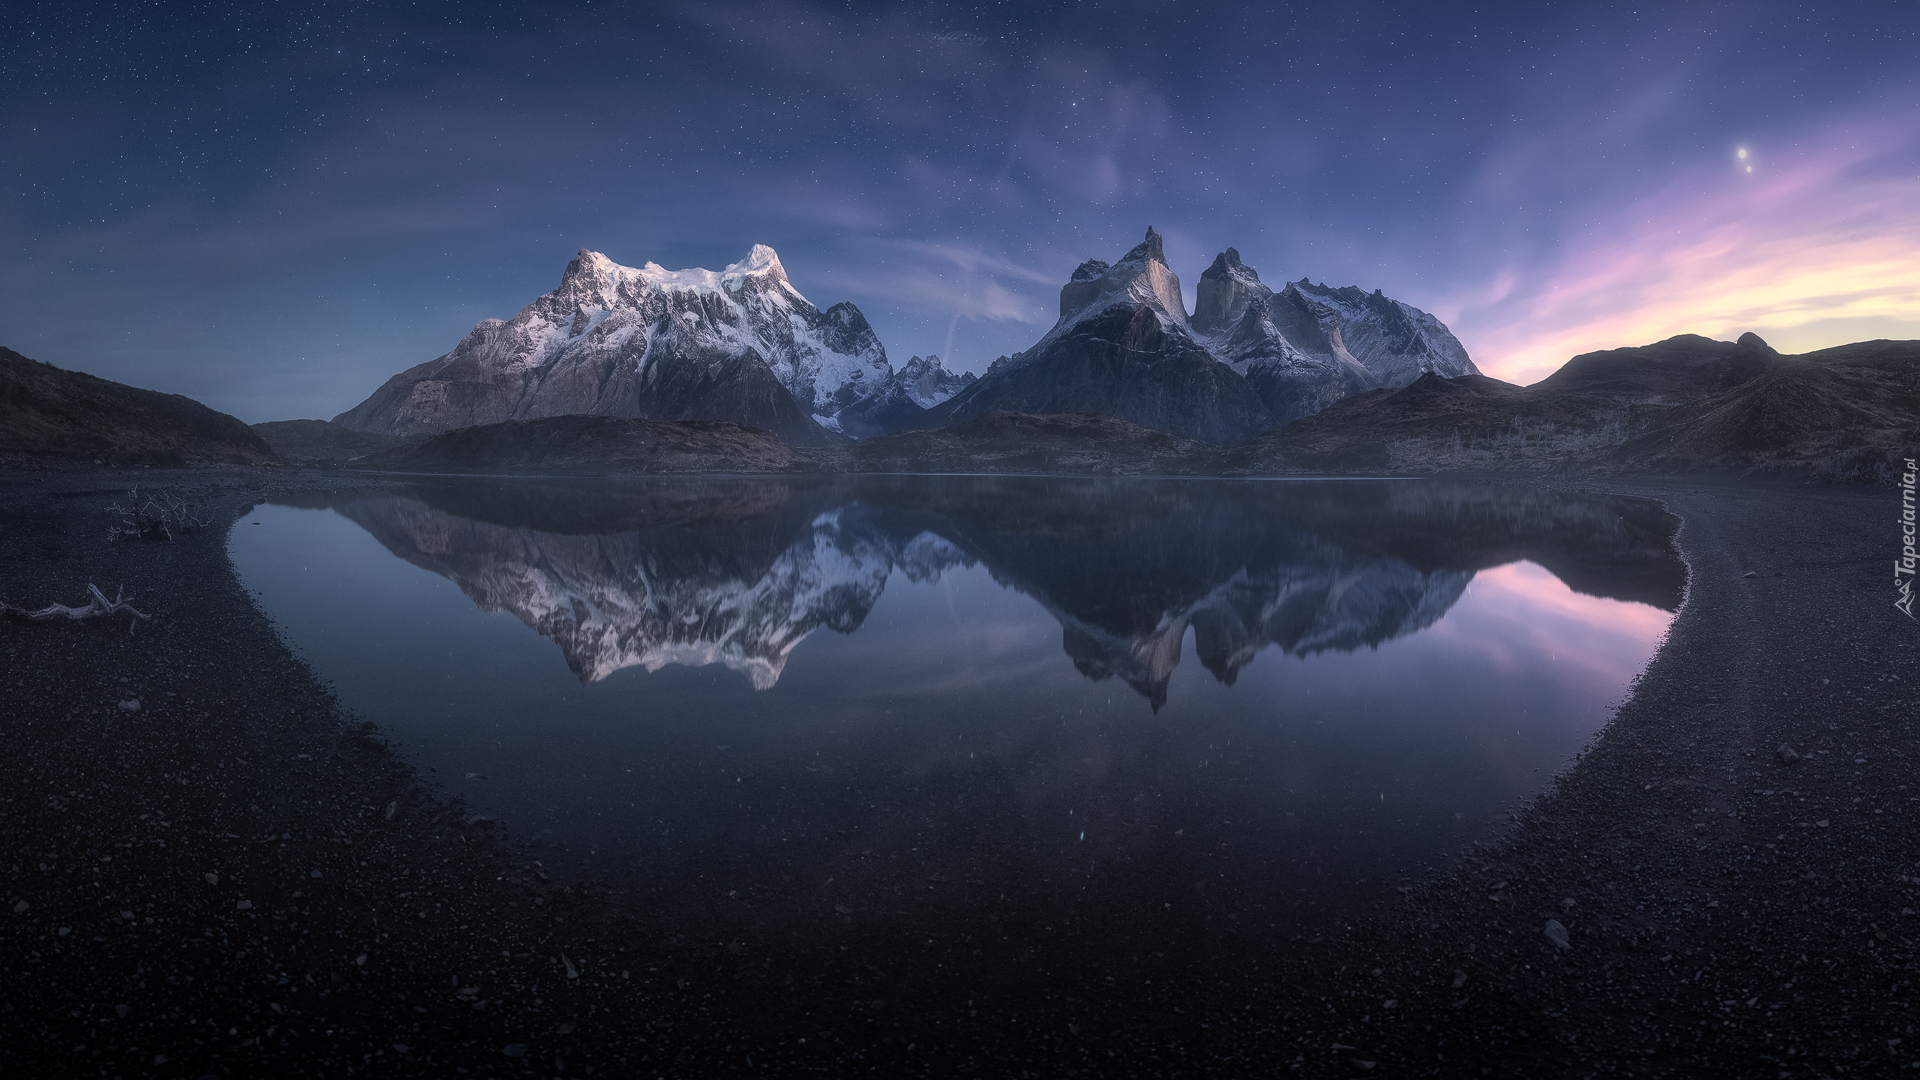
[762, 264]
[1140, 277]
[762, 261]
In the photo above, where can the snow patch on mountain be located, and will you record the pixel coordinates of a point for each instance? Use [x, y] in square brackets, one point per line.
[901, 400]
[1397, 342]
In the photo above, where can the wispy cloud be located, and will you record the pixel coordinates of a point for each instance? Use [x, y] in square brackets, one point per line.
[960, 280]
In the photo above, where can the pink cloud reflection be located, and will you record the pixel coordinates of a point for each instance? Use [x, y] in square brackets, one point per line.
[1522, 616]
[1818, 245]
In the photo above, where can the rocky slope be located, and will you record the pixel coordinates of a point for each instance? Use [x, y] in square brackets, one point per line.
[649, 343]
[46, 411]
[1309, 345]
[1069, 443]
[1397, 342]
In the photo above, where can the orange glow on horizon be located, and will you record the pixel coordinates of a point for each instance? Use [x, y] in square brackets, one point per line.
[1808, 254]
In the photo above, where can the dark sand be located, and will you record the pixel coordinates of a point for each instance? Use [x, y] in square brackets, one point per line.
[1727, 914]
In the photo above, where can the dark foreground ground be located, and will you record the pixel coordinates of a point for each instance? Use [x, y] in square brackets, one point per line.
[235, 879]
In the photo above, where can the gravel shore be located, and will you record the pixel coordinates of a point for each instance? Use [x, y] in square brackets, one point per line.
[1728, 909]
[232, 877]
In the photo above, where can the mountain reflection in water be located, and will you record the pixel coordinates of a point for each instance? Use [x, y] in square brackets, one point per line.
[739, 572]
[932, 799]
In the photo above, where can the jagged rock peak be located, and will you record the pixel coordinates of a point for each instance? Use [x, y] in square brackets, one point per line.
[1141, 276]
[1228, 264]
[1225, 290]
[1146, 250]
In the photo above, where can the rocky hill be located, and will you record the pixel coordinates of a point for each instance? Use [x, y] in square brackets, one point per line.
[1685, 404]
[46, 411]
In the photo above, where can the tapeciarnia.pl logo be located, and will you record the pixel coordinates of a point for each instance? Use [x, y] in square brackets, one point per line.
[1903, 566]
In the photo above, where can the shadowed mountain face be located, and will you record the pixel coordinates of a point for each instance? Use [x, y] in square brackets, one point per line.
[738, 573]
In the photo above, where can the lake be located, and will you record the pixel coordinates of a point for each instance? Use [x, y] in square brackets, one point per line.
[989, 735]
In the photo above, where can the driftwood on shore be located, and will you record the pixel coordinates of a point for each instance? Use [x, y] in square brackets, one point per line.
[97, 604]
[158, 517]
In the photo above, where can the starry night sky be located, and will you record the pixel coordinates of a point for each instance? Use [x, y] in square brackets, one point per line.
[272, 208]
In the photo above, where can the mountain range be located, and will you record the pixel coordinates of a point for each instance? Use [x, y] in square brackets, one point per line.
[1686, 404]
[743, 345]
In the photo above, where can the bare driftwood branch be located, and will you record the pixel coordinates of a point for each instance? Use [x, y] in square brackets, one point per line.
[97, 604]
[159, 515]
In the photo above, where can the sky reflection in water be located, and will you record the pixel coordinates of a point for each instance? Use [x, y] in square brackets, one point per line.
[1119, 702]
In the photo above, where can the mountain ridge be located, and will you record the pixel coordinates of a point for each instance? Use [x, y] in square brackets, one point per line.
[1683, 404]
[1246, 361]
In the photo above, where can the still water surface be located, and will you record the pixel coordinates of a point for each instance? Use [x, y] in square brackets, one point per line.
[1075, 715]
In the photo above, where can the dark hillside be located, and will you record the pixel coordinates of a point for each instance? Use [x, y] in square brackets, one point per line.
[46, 411]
